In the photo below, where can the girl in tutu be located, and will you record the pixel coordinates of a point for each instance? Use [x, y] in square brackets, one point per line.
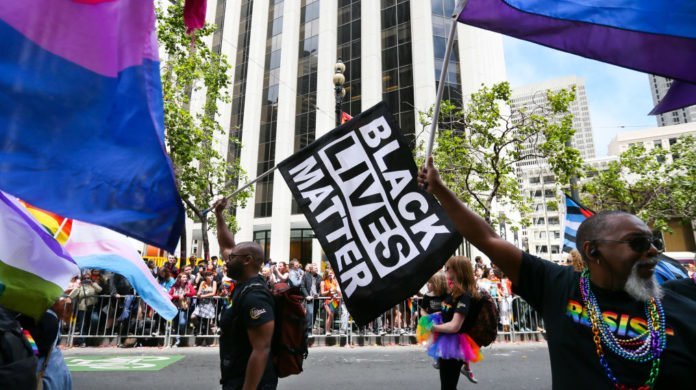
[446, 330]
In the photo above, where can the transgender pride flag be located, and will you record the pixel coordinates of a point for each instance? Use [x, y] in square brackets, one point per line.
[34, 268]
[97, 247]
[81, 115]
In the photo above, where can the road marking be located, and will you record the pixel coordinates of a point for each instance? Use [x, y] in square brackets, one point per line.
[120, 363]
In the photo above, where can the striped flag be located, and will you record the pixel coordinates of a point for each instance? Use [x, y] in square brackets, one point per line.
[96, 247]
[575, 215]
[34, 268]
[657, 37]
[82, 118]
[58, 227]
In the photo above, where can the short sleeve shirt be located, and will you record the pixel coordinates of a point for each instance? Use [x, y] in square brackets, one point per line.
[451, 305]
[554, 291]
[255, 309]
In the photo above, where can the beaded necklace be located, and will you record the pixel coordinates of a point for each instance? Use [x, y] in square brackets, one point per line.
[645, 347]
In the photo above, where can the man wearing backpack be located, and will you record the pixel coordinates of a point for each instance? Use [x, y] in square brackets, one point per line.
[246, 327]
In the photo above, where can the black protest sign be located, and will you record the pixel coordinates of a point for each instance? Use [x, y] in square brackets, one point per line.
[383, 236]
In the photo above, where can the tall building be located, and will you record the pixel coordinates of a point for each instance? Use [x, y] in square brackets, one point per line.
[543, 236]
[283, 55]
[659, 87]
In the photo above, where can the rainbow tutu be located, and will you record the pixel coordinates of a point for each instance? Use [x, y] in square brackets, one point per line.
[457, 346]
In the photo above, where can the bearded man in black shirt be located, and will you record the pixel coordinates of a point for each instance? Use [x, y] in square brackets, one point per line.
[611, 326]
[246, 328]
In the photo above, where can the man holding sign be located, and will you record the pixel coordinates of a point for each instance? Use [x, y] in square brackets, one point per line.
[609, 327]
[383, 236]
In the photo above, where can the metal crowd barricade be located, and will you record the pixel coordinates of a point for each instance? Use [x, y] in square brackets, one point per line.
[113, 320]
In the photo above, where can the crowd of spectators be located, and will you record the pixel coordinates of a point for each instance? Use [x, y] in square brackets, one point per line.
[201, 290]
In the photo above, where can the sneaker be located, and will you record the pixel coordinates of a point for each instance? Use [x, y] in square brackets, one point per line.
[436, 365]
[176, 343]
[466, 371]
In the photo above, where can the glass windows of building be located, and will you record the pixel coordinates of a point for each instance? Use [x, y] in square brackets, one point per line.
[442, 9]
[301, 245]
[240, 74]
[305, 111]
[348, 50]
[263, 238]
[269, 111]
[307, 64]
[220, 23]
[397, 71]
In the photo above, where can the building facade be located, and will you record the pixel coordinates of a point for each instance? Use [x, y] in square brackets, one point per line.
[283, 55]
[657, 137]
[659, 87]
[544, 236]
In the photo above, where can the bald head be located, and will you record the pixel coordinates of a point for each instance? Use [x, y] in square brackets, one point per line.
[597, 226]
[253, 249]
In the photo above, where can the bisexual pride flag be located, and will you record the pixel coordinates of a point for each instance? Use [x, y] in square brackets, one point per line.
[34, 268]
[81, 115]
[657, 37]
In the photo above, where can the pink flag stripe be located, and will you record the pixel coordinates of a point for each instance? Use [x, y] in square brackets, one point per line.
[105, 38]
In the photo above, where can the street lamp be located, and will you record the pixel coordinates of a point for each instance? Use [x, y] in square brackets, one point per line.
[339, 79]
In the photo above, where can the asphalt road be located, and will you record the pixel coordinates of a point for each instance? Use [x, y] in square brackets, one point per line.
[506, 366]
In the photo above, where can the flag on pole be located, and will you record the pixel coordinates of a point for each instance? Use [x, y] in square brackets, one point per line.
[383, 236]
[81, 115]
[575, 215]
[345, 117]
[657, 37]
[34, 268]
[666, 269]
[96, 247]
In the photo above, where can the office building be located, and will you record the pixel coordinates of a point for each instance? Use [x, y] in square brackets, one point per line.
[283, 55]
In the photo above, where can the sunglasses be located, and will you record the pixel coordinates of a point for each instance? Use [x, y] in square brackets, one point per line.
[232, 255]
[641, 244]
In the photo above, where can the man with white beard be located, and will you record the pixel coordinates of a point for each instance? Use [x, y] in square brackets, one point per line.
[608, 327]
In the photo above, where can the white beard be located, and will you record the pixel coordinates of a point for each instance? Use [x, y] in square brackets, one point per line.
[642, 289]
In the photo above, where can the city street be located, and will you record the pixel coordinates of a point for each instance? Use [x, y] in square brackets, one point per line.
[506, 366]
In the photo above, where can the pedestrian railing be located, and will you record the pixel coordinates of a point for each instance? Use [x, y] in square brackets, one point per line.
[127, 320]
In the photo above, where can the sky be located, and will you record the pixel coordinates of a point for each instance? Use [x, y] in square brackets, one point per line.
[619, 98]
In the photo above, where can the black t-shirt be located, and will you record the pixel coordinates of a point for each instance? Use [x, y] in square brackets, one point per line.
[432, 304]
[464, 305]
[685, 287]
[554, 291]
[255, 309]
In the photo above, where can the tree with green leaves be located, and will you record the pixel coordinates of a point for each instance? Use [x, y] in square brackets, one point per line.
[479, 146]
[190, 67]
[657, 185]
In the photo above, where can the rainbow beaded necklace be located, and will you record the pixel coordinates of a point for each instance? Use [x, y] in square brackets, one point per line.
[647, 346]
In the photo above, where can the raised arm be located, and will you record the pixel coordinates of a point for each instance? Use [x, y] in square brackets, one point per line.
[471, 226]
[224, 236]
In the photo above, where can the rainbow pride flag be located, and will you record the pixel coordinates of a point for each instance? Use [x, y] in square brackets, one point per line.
[58, 227]
[34, 268]
[81, 115]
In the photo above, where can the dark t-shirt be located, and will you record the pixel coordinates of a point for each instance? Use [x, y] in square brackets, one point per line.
[464, 305]
[554, 291]
[685, 287]
[432, 304]
[255, 309]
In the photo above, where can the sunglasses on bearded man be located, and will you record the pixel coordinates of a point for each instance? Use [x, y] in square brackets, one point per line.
[640, 244]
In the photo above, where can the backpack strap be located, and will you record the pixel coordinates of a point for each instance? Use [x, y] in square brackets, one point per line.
[246, 290]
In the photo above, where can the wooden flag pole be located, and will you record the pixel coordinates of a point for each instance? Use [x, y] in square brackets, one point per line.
[443, 75]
